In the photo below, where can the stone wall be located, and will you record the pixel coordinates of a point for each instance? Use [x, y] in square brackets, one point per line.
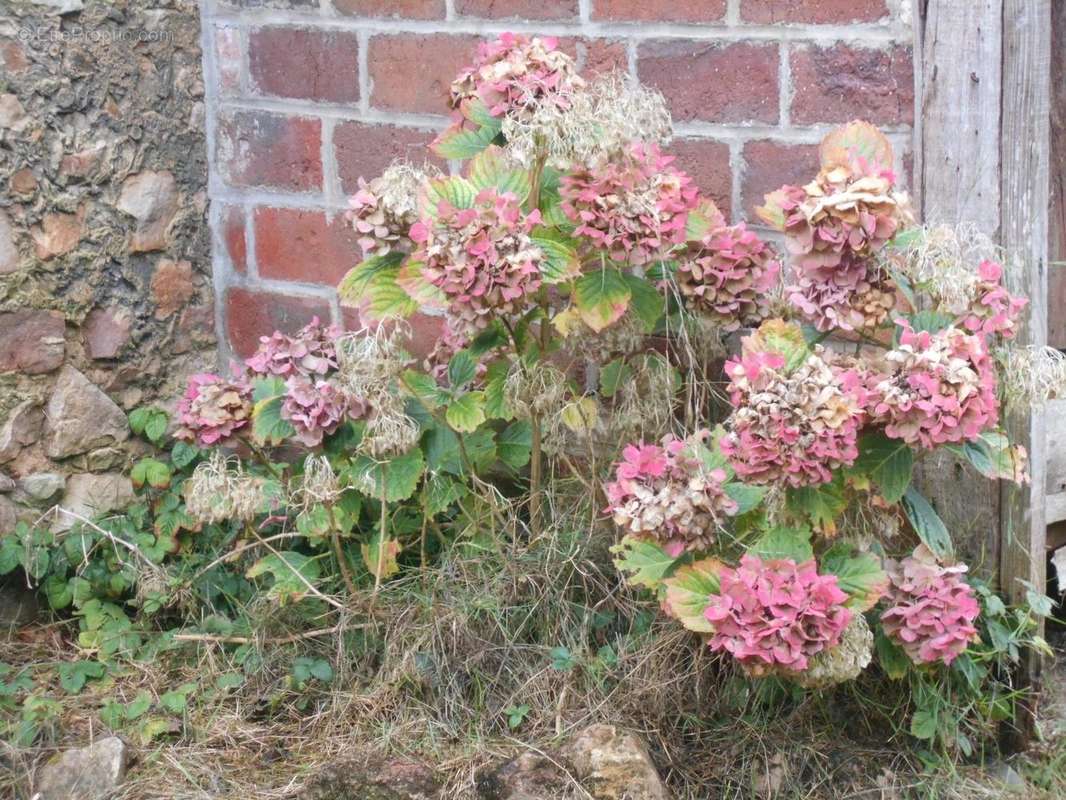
[305, 96]
[105, 294]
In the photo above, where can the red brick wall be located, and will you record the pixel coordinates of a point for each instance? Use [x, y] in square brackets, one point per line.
[305, 96]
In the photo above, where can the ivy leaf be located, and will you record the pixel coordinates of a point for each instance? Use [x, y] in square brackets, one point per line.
[601, 297]
[400, 475]
[860, 575]
[888, 462]
[645, 561]
[73, 675]
[819, 505]
[466, 413]
[287, 568]
[492, 169]
[646, 301]
[268, 427]
[152, 472]
[927, 523]
[560, 262]
[688, 591]
[380, 556]
[784, 543]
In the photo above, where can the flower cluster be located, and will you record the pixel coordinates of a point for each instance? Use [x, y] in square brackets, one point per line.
[941, 388]
[481, 258]
[728, 277]
[842, 663]
[213, 409]
[932, 609]
[792, 427]
[515, 74]
[310, 352]
[667, 494]
[316, 408]
[634, 208]
[383, 210]
[776, 614]
[993, 310]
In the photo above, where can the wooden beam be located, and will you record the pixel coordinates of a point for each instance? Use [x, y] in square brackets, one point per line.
[1057, 221]
[1025, 140]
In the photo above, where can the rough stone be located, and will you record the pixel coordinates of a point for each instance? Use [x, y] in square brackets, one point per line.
[395, 779]
[151, 198]
[58, 234]
[80, 417]
[31, 341]
[82, 163]
[9, 252]
[172, 286]
[90, 496]
[530, 776]
[18, 603]
[7, 484]
[12, 114]
[613, 764]
[106, 332]
[8, 516]
[23, 183]
[43, 487]
[105, 458]
[22, 429]
[88, 773]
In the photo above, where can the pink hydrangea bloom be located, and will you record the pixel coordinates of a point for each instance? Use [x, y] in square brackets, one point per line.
[728, 277]
[941, 388]
[665, 493]
[212, 409]
[931, 608]
[316, 408]
[776, 614]
[793, 427]
[481, 258]
[312, 351]
[636, 208]
[994, 309]
[515, 73]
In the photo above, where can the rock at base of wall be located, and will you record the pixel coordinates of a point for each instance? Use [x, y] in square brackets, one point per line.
[530, 776]
[90, 496]
[613, 763]
[18, 604]
[88, 773]
[395, 779]
[80, 417]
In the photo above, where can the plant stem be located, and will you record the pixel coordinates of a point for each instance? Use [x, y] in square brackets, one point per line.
[535, 524]
[338, 551]
[381, 526]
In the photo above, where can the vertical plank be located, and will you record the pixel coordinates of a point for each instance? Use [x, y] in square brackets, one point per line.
[958, 76]
[1025, 202]
[1057, 220]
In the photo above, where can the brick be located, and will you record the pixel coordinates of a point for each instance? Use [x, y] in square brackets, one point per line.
[365, 150]
[707, 161]
[769, 165]
[841, 83]
[304, 64]
[31, 341]
[233, 234]
[713, 82]
[295, 5]
[251, 313]
[413, 72]
[274, 151]
[228, 54]
[817, 12]
[400, 9]
[659, 10]
[297, 245]
[603, 55]
[520, 9]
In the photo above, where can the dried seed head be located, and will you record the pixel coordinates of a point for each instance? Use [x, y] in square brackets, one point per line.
[318, 485]
[219, 491]
[1033, 375]
[534, 390]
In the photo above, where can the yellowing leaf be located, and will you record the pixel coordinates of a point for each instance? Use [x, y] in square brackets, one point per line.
[581, 415]
[645, 562]
[857, 139]
[688, 591]
[567, 322]
[380, 557]
[601, 297]
[772, 211]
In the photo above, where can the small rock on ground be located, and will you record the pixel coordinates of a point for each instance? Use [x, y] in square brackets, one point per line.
[530, 776]
[395, 779]
[613, 764]
[88, 773]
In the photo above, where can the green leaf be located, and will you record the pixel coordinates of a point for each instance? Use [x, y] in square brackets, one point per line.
[929, 320]
[492, 169]
[614, 375]
[746, 497]
[927, 523]
[58, 591]
[645, 561]
[646, 301]
[141, 703]
[423, 387]
[496, 406]
[888, 462]
[268, 427]
[892, 658]
[561, 262]
[457, 143]
[380, 556]
[139, 419]
[475, 110]
[860, 575]
[514, 444]
[73, 675]
[461, 369]
[601, 297]
[703, 220]
[688, 591]
[176, 701]
[819, 505]
[314, 522]
[784, 338]
[923, 725]
[442, 492]
[373, 287]
[784, 543]
[152, 472]
[994, 457]
[183, 454]
[467, 412]
[357, 283]
[400, 475]
[292, 572]
[156, 426]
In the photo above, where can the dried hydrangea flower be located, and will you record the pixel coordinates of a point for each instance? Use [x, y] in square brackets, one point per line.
[635, 207]
[993, 310]
[534, 390]
[1034, 375]
[729, 277]
[315, 408]
[665, 493]
[213, 409]
[219, 491]
[931, 608]
[481, 258]
[515, 74]
[384, 209]
[598, 121]
[310, 352]
[776, 615]
[941, 388]
[792, 427]
[842, 663]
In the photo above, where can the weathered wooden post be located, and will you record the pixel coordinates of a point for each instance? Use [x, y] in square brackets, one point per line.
[982, 140]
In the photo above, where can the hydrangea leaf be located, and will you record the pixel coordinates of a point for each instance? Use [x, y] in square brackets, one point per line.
[424, 388]
[496, 406]
[644, 562]
[466, 412]
[784, 338]
[475, 110]
[356, 285]
[784, 543]
[581, 415]
[441, 492]
[422, 292]
[398, 476]
[772, 210]
[463, 143]
[380, 556]
[818, 505]
[746, 497]
[927, 523]
[613, 375]
[461, 369]
[514, 444]
[893, 660]
[994, 457]
[888, 462]
[646, 301]
[268, 427]
[688, 592]
[492, 169]
[856, 139]
[601, 298]
[560, 261]
[703, 220]
[860, 575]
[291, 571]
[456, 191]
